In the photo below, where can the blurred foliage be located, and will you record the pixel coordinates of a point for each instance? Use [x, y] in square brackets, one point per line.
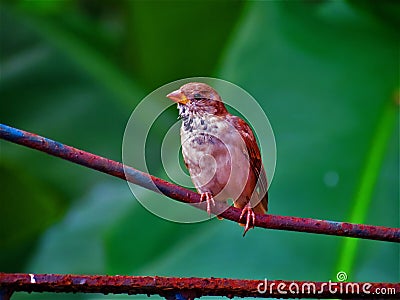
[325, 72]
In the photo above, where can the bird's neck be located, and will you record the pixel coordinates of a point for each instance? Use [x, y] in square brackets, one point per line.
[201, 122]
[188, 111]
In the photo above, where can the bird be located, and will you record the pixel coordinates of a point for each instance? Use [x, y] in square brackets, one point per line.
[220, 152]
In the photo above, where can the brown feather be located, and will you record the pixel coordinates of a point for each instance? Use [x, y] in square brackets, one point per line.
[254, 157]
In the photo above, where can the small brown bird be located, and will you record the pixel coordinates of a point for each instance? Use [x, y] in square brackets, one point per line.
[220, 152]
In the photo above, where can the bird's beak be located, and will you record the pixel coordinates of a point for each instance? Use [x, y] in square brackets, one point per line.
[178, 97]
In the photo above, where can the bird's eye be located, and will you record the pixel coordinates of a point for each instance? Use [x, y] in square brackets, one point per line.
[197, 96]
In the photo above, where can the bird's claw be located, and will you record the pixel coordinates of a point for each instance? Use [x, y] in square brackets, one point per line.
[250, 219]
[210, 200]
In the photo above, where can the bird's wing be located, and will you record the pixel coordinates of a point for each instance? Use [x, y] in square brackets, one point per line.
[254, 157]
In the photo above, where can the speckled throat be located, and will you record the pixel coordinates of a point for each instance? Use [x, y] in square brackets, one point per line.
[199, 116]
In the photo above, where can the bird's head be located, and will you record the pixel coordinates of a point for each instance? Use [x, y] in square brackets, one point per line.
[197, 98]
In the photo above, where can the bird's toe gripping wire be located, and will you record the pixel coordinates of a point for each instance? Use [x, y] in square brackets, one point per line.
[250, 218]
[210, 201]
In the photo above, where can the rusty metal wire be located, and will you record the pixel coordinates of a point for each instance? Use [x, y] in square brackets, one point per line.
[184, 195]
[190, 288]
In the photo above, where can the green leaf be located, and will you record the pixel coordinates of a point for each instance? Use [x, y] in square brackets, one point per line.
[324, 73]
[325, 103]
[170, 40]
[23, 204]
[75, 244]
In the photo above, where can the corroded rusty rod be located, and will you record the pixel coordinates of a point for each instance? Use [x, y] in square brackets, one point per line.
[190, 288]
[184, 195]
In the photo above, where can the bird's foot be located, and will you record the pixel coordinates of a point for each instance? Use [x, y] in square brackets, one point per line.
[250, 218]
[210, 200]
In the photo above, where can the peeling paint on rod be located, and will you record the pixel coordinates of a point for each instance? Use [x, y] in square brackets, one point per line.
[191, 288]
[184, 195]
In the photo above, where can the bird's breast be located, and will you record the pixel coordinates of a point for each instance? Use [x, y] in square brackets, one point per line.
[215, 155]
[207, 135]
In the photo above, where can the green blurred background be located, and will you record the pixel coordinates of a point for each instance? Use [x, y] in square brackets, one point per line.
[325, 72]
